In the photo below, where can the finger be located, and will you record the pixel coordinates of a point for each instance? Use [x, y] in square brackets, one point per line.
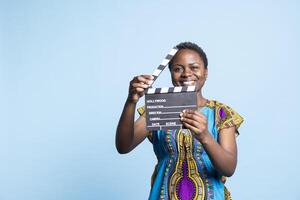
[196, 130]
[196, 122]
[137, 90]
[150, 77]
[190, 121]
[141, 93]
[194, 117]
[140, 90]
[189, 112]
[192, 128]
[146, 79]
[139, 85]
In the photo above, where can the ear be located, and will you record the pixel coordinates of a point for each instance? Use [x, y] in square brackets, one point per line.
[206, 73]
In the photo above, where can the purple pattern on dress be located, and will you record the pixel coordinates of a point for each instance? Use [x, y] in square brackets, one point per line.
[185, 187]
[222, 113]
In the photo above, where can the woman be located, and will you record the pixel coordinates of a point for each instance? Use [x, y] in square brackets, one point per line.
[192, 162]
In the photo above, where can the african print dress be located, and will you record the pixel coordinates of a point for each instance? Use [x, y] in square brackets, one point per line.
[184, 170]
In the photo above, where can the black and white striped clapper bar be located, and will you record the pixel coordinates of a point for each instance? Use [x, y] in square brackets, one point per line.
[164, 105]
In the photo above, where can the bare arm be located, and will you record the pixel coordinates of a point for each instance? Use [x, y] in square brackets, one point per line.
[223, 154]
[129, 133]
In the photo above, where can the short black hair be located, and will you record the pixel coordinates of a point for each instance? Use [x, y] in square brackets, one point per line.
[194, 47]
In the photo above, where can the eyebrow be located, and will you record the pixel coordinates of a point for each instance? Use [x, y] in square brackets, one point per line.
[195, 63]
[188, 64]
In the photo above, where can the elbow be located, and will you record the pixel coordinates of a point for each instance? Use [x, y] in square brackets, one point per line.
[121, 147]
[230, 168]
[122, 150]
[229, 172]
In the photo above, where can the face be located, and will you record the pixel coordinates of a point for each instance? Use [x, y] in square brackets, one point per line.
[188, 69]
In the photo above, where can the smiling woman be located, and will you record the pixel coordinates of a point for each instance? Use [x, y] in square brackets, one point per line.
[192, 162]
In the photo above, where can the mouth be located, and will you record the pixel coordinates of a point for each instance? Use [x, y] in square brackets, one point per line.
[187, 83]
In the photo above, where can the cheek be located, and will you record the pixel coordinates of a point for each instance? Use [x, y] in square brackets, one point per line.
[174, 77]
[200, 75]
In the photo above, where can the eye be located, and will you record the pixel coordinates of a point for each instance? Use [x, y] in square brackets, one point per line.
[195, 68]
[177, 68]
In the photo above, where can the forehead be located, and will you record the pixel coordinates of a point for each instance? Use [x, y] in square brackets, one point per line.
[187, 56]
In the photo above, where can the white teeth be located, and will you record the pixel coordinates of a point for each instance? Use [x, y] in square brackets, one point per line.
[188, 82]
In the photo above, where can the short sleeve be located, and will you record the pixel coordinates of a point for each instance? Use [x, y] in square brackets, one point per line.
[226, 117]
[141, 111]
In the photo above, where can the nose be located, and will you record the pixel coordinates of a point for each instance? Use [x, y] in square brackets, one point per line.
[186, 72]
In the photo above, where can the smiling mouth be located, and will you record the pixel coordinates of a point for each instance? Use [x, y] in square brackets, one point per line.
[187, 83]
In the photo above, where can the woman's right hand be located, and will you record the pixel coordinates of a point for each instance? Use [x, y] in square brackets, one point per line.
[137, 87]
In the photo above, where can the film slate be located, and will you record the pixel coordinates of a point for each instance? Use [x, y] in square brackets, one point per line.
[164, 105]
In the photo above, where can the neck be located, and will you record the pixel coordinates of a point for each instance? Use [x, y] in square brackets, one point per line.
[201, 101]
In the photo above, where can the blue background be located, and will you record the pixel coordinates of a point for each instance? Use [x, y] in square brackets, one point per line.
[65, 68]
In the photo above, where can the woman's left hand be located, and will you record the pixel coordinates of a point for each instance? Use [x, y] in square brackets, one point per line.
[222, 153]
[196, 122]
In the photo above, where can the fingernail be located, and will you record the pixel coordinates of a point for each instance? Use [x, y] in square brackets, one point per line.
[183, 111]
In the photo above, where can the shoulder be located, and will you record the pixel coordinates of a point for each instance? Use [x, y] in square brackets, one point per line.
[225, 116]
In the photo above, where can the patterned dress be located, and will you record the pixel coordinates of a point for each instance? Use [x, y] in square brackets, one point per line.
[184, 170]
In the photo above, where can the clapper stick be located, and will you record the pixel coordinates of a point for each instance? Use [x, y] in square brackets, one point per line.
[163, 105]
[163, 64]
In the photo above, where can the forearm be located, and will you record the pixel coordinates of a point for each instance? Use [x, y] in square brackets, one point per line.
[129, 133]
[224, 161]
[125, 129]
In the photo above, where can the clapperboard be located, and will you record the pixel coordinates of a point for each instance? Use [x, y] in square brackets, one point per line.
[164, 105]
